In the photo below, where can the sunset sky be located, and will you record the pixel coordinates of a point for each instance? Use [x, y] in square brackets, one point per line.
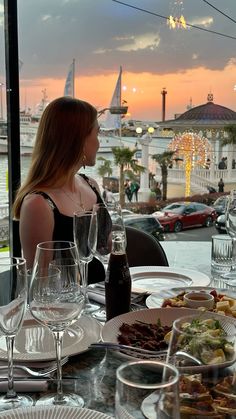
[102, 35]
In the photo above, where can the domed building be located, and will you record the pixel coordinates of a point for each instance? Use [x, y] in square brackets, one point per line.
[209, 120]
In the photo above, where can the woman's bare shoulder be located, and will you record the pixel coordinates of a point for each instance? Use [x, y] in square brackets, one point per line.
[35, 201]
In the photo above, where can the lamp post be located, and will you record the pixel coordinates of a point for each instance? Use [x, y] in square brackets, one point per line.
[145, 140]
[1, 106]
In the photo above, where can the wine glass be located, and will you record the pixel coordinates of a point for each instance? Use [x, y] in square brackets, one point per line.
[147, 389]
[13, 299]
[230, 223]
[56, 301]
[82, 229]
[100, 242]
[101, 246]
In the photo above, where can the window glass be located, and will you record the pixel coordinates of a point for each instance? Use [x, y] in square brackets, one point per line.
[64, 26]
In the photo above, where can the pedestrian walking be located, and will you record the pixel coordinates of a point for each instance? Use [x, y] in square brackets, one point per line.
[221, 185]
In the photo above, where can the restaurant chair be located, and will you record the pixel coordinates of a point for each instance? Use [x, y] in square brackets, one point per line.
[143, 250]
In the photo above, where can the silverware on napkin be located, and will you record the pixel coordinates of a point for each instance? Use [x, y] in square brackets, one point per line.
[25, 386]
[34, 372]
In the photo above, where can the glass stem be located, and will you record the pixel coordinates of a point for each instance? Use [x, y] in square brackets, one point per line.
[58, 336]
[84, 272]
[10, 344]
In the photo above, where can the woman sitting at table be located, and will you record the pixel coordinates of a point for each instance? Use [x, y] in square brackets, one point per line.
[67, 139]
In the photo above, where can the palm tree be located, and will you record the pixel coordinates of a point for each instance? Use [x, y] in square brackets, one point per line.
[105, 168]
[231, 139]
[124, 158]
[164, 160]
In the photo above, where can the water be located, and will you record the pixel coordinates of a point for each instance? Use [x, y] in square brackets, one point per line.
[158, 145]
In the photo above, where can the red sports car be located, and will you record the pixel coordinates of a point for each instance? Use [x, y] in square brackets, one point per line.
[180, 215]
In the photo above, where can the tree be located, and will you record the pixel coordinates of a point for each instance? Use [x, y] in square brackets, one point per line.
[124, 158]
[164, 160]
[105, 168]
[231, 139]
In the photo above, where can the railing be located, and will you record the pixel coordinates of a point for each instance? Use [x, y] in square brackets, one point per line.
[4, 225]
[200, 178]
[4, 209]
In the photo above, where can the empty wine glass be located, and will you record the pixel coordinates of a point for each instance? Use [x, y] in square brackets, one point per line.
[56, 301]
[82, 230]
[230, 223]
[13, 299]
[147, 389]
[100, 242]
[101, 246]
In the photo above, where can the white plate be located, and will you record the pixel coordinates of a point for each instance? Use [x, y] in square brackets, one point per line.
[156, 300]
[154, 278]
[34, 342]
[110, 329]
[167, 316]
[52, 412]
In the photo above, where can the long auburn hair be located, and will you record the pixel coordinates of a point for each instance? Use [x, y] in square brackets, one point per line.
[63, 128]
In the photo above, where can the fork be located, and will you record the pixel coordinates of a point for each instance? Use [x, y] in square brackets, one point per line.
[130, 350]
[144, 353]
[36, 373]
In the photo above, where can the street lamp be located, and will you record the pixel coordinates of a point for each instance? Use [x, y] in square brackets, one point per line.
[115, 110]
[139, 131]
[145, 140]
[151, 130]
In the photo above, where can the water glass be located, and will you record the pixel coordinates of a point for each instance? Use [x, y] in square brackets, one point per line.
[229, 280]
[221, 254]
[147, 389]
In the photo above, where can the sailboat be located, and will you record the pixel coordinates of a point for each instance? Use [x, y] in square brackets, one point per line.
[112, 125]
[29, 121]
[69, 89]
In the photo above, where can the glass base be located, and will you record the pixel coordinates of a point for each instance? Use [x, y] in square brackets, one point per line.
[90, 308]
[15, 402]
[100, 315]
[68, 399]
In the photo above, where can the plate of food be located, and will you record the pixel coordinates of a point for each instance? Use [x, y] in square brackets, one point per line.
[195, 400]
[35, 342]
[155, 278]
[53, 412]
[224, 299]
[150, 329]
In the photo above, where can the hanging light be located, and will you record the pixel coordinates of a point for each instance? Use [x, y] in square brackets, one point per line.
[176, 18]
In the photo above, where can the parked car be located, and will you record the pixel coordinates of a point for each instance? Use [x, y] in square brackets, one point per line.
[147, 223]
[124, 211]
[180, 215]
[220, 224]
[220, 204]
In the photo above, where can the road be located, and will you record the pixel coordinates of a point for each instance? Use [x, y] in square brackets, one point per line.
[193, 234]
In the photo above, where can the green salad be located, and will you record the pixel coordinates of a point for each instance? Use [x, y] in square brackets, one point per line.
[206, 340]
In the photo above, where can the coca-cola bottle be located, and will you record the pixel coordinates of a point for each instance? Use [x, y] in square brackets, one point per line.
[118, 280]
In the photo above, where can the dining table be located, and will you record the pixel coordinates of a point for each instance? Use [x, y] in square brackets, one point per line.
[92, 373]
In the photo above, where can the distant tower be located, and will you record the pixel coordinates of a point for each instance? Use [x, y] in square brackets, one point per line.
[164, 93]
[210, 97]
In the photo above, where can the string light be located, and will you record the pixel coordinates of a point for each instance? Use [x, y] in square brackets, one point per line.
[193, 150]
[176, 18]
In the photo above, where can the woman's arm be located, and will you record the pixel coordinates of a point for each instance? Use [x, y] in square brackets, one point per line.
[36, 225]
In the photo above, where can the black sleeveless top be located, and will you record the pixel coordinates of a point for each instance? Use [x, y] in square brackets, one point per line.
[63, 230]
